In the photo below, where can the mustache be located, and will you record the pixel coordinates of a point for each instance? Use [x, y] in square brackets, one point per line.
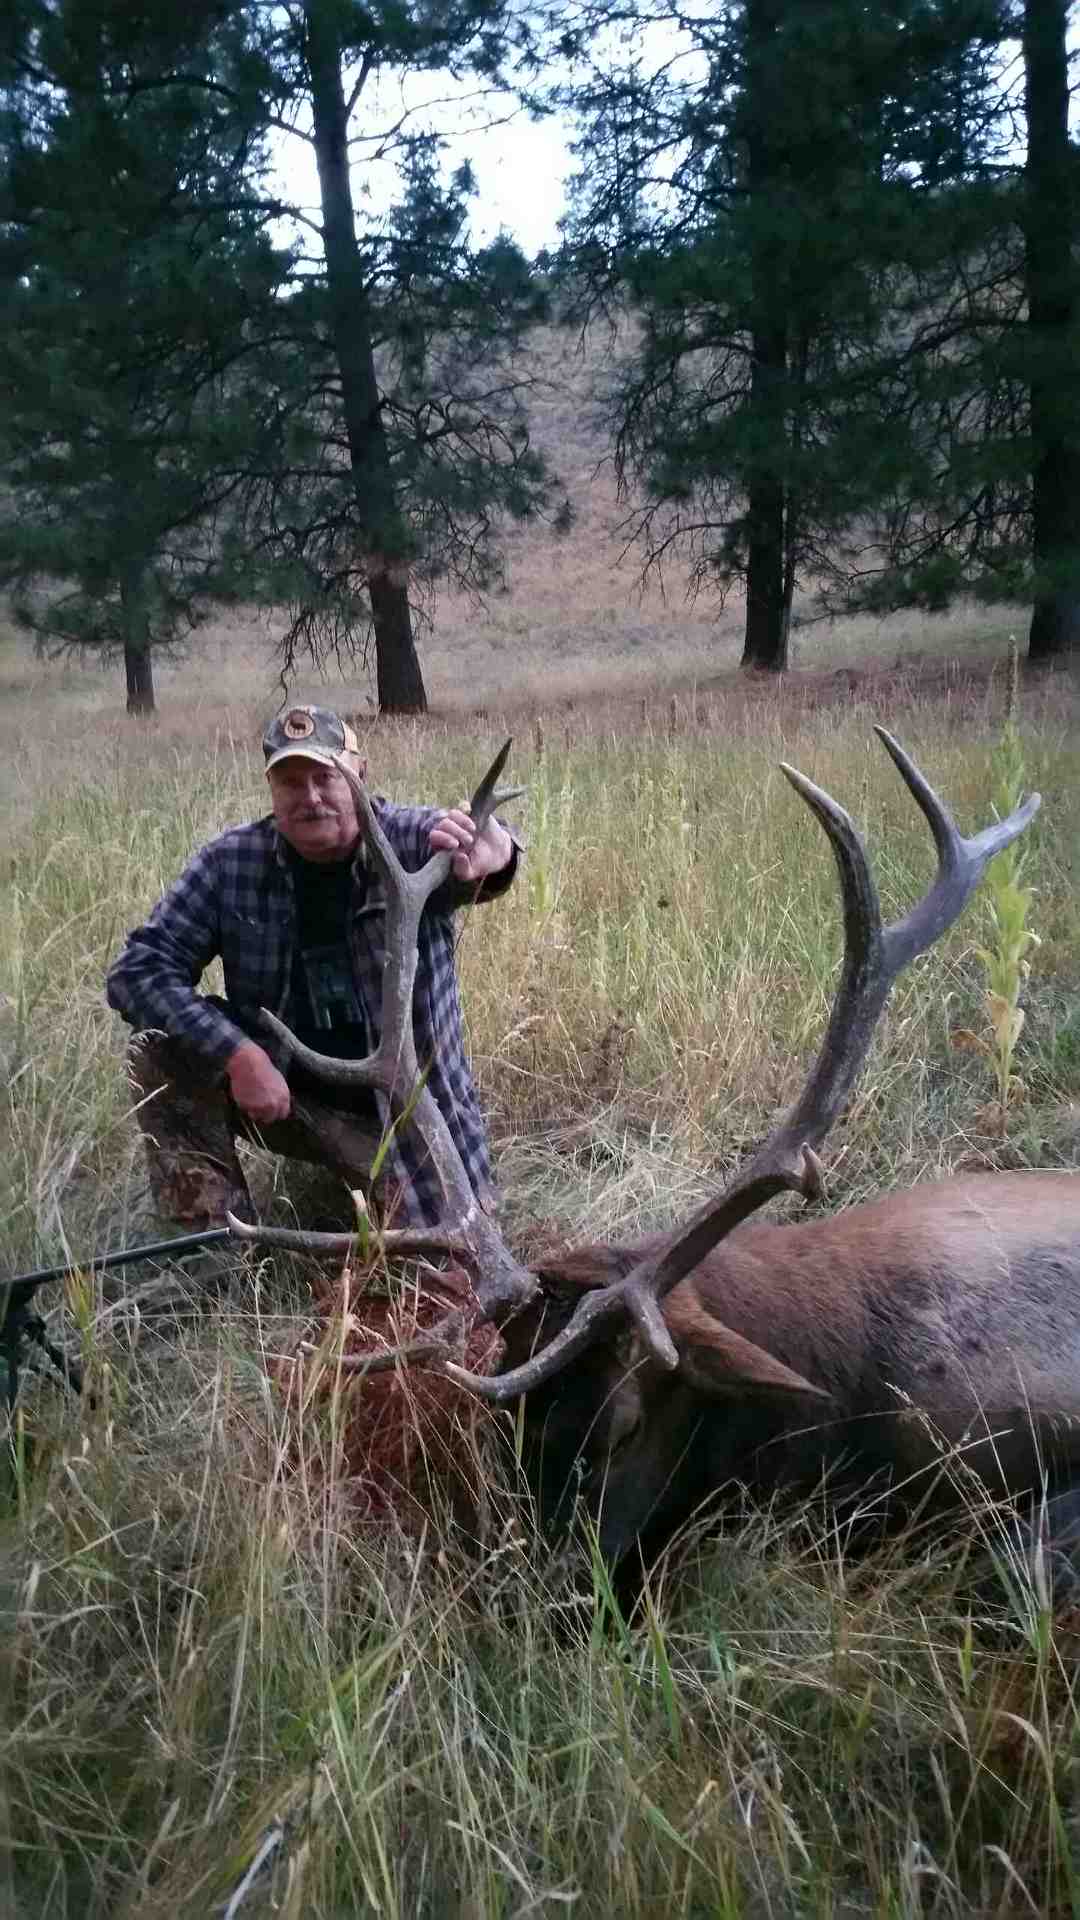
[316, 813]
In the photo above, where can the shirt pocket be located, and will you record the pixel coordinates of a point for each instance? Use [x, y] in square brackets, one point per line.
[254, 960]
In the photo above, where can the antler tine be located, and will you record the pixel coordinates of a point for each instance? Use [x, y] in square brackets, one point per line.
[429, 1347]
[961, 862]
[486, 798]
[591, 1314]
[873, 958]
[388, 1239]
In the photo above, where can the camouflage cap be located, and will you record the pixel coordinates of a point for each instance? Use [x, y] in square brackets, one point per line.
[307, 733]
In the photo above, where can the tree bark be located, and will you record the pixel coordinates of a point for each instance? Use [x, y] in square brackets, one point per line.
[765, 641]
[766, 631]
[400, 682]
[138, 653]
[1051, 235]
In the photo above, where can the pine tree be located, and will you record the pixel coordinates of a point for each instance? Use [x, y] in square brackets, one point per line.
[406, 339]
[793, 161]
[1051, 224]
[975, 389]
[186, 415]
[137, 282]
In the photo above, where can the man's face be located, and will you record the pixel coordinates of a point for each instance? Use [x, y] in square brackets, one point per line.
[314, 808]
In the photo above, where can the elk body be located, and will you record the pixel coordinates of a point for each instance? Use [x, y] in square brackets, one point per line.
[886, 1354]
[904, 1344]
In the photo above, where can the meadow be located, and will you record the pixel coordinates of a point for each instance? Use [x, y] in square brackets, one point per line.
[209, 1664]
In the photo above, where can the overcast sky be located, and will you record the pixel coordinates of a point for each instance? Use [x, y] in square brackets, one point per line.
[521, 165]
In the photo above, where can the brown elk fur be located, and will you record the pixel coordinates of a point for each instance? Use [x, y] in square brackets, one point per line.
[961, 1287]
[965, 1278]
[406, 1438]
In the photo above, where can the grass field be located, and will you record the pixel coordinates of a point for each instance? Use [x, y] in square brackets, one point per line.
[206, 1658]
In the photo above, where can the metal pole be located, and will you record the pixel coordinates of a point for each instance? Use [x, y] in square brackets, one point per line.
[98, 1263]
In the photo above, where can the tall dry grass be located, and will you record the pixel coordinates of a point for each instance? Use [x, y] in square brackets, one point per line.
[206, 1664]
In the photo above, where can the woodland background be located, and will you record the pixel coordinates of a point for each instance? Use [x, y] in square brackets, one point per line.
[832, 250]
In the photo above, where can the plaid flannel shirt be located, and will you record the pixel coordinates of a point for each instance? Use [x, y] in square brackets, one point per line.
[235, 899]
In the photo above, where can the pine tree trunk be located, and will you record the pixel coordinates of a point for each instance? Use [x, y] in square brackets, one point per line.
[1051, 235]
[400, 682]
[789, 579]
[138, 654]
[139, 669]
[797, 375]
[765, 640]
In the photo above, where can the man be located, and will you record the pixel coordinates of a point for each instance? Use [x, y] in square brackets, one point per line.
[294, 908]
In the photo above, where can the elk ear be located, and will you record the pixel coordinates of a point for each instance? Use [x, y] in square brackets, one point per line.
[715, 1359]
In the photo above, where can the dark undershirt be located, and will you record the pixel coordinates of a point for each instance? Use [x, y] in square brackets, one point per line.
[330, 1016]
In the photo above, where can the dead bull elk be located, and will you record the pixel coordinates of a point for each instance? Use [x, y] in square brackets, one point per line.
[853, 1346]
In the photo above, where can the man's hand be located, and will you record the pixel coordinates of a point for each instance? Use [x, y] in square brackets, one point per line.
[258, 1088]
[476, 855]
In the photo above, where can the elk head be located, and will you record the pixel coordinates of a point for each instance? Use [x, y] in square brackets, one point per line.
[615, 1371]
[635, 1442]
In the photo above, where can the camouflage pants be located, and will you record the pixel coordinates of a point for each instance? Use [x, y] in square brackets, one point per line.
[190, 1126]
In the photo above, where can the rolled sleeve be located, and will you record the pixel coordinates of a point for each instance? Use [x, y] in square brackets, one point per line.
[497, 883]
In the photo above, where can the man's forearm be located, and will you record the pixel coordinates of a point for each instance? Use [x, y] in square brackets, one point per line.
[469, 893]
[150, 994]
[495, 883]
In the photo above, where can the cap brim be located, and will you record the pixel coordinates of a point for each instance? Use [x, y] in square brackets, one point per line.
[323, 755]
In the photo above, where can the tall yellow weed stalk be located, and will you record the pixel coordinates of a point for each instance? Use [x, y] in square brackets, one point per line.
[1004, 957]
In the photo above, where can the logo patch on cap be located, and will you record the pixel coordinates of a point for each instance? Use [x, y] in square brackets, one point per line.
[298, 725]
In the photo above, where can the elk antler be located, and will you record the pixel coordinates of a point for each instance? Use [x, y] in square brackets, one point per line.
[502, 1284]
[873, 958]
